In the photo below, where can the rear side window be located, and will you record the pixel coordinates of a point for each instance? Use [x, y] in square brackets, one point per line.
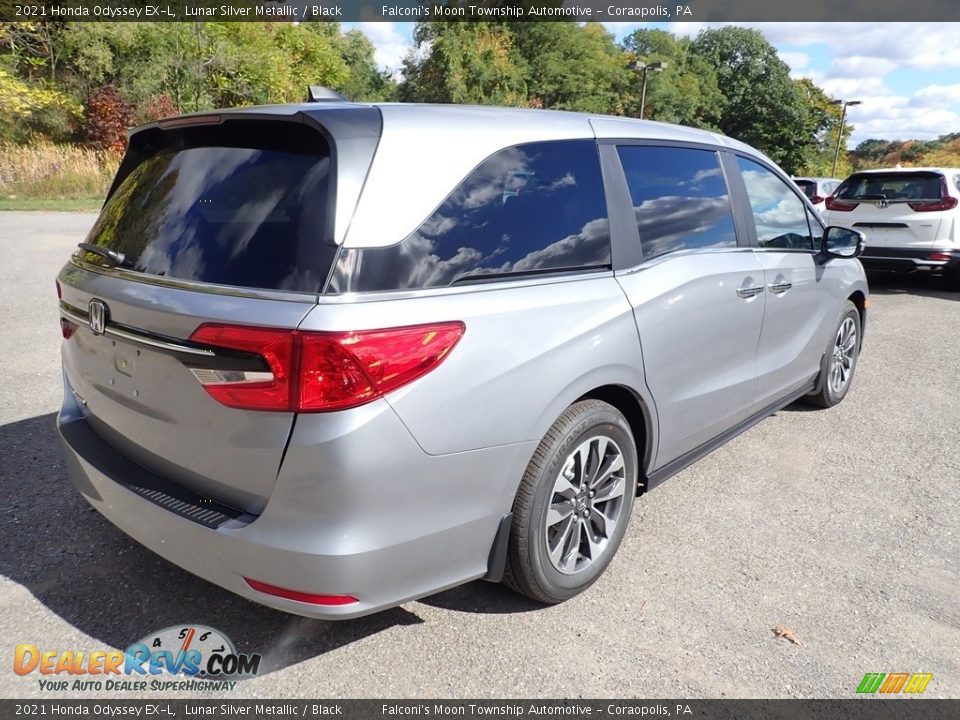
[779, 214]
[809, 188]
[243, 205]
[892, 186]
[679, 198]
[535, 208]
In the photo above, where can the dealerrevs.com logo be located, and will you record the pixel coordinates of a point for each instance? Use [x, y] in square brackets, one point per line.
[199, 657]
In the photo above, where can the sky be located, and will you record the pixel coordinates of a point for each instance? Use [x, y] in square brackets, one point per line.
[907, 75]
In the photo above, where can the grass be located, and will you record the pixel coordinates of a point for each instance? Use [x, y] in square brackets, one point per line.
[61, 204]
[54, 177]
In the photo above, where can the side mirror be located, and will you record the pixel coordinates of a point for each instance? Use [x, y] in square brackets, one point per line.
[841, 242]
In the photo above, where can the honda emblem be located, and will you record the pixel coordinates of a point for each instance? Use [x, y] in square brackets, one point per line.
[98, 316]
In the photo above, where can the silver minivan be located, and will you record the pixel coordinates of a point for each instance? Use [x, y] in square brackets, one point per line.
[333, 356]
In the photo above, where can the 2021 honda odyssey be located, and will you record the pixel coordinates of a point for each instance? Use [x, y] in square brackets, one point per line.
[334, 357]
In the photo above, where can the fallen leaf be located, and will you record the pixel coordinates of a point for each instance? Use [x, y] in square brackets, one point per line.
[786, 633]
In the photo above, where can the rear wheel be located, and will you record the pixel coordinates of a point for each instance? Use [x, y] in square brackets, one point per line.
[840, 360]
[573, 505]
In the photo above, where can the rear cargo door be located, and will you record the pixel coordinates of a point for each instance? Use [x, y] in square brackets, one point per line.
[226, 224]
[892, 210]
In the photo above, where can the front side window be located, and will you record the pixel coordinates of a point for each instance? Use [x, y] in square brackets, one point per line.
[778, 212]
[679, 198]
[535, 208]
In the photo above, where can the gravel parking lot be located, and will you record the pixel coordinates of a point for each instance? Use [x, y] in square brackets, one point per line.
[842, 525]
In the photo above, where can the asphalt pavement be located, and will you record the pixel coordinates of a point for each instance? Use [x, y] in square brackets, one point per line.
[841, 525]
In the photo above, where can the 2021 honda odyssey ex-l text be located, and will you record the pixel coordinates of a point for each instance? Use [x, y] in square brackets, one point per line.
[333, 357]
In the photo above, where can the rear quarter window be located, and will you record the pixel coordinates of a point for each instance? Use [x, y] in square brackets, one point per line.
[530, 209]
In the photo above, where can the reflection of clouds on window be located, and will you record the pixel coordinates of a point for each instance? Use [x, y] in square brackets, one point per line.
[680, 198]
[778, 212]
[538, 207]
[677, 222]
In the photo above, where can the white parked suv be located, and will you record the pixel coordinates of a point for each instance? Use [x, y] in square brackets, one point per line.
[910, 217]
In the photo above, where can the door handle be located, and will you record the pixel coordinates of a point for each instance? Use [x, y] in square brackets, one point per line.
[779, 288]
[749, 291]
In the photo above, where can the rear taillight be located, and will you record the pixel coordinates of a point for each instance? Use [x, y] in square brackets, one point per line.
[839, 205]
[321, 371]
[816, 199]
[940, 256]
[944, 203]
[67, 328]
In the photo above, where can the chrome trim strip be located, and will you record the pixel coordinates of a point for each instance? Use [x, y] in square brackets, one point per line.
[212, 289]
[135, 337]
[161, 344]
[651, 262]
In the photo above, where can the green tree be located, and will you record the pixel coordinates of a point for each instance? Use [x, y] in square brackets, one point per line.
[571, 66]
[763, 105]
[454, 62]
[822, 126]
[685, 92]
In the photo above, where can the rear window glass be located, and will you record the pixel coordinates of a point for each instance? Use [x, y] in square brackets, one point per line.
[226, 208]
[535, 208]
[892, 186]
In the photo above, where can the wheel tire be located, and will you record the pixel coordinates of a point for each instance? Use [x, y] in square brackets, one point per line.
[835, 383]
[585, 430]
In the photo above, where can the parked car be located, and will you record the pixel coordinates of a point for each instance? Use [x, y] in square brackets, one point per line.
[334, 357]
[910, 217]
[817, 190]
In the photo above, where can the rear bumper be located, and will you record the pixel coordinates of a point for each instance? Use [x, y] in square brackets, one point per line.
[907, 260]
[358, 509]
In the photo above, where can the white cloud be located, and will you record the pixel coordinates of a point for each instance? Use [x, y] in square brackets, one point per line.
[937, 96]
[391, 46]
[796, 60]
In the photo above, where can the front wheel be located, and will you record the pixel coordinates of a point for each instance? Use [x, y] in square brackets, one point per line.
[573, 505]
[840, 360]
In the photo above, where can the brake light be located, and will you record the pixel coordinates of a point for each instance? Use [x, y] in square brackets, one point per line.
[312, 598]
[942, 256]
[944, 203]
[839, 205]
[322, 371]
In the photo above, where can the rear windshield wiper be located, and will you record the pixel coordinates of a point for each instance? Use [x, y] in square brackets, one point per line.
[117, 258]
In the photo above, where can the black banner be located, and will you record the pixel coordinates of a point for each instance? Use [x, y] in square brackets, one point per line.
[466, 10]
[900, 709]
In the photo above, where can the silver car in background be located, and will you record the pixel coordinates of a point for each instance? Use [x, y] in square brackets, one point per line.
[333, 357]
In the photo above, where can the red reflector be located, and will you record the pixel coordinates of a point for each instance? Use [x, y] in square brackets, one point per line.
[839, 205]
[303, 597]
[67, 328]
[323, 371]
[945, 256]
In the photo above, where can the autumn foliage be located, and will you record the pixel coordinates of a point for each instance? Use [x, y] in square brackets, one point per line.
[108, 116]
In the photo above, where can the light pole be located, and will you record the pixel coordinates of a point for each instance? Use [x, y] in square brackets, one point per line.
[657, 66]
[843, 115]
